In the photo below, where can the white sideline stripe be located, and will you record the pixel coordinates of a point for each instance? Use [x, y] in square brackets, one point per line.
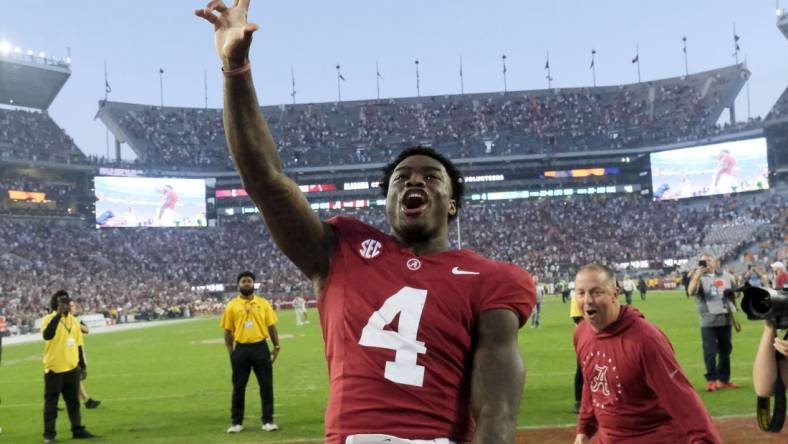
[36, 337]
[137, 398]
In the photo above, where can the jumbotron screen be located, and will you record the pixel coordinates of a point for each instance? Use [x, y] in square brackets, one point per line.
[706, 170]
[149, 202]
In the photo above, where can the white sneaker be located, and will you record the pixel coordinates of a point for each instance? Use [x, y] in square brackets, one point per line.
[235, 428]
[270, 427]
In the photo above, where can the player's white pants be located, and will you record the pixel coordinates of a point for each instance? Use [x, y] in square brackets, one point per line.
[724, 185]
[167, 218]
[388, 439]
[300, 316]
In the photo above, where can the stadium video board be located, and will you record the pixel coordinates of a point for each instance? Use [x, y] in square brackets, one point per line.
[706, 170]
[149, 202]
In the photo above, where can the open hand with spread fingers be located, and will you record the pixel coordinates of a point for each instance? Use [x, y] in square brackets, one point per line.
[233, 32]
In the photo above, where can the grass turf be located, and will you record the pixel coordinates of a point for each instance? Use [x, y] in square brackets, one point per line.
[171, 383]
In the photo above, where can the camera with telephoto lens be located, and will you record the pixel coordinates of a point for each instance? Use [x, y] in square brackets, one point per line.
[766, 303]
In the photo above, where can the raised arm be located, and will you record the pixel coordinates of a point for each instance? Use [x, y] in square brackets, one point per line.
[694, 283]
[295, 228]
[498, 378]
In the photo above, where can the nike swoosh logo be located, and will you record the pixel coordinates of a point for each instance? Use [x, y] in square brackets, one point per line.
[673, 373]
[456, 270]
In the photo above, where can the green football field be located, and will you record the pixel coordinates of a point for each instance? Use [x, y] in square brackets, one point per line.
[171, 383]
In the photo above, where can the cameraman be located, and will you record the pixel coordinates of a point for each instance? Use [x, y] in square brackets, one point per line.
[708, 284]
[765, 368]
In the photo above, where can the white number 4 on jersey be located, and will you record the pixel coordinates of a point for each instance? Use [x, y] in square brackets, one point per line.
[409, 303]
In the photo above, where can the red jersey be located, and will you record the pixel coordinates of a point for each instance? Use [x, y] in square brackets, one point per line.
[780, 280]
[727, 162]
[634, 390]
[170, 199]
[399, 333]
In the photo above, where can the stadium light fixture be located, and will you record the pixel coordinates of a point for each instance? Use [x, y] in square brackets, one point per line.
[5, 47]
[17, 50]
[42, 55]
[68, 60]
[29, 52]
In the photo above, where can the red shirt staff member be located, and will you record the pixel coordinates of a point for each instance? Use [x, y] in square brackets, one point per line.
[247, 322]
[420, 340]
[634, 390]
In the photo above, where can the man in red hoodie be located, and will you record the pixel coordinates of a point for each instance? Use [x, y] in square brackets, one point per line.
[634, 390]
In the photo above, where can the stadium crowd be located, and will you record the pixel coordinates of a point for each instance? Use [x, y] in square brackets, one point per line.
[152, 273]
[32, 135]
[473, 125]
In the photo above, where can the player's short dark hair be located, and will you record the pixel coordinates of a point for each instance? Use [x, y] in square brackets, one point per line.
[244, 274]
[457, 181]
[54, 301]
[596, 267]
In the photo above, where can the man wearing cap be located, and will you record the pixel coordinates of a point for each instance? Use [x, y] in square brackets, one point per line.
[780, 275]
[248, 321]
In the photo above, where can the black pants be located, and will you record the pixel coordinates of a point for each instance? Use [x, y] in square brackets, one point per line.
[628, 296]
[717, 344]
[245, 358]
[55, 384]
[578, 372]
[642, 295]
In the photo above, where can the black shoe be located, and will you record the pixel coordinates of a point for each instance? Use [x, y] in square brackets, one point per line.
[576, 408]
[82, 434]
[92, 403]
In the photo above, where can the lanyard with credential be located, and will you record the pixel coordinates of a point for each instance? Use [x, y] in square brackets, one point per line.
[67, 327]
[248, 323]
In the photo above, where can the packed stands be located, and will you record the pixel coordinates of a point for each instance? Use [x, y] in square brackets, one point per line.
[471, 125]
[33, 135]
[151, 272]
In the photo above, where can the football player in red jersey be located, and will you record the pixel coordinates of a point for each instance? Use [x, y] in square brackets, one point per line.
[421, 341]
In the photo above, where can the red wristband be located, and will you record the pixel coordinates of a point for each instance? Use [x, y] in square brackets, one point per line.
[237, 71]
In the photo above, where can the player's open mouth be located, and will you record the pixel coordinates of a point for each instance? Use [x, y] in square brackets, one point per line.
[414, 202]
[591, 313]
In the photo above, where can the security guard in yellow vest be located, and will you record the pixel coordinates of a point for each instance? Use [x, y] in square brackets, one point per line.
[63, 360]
[248, 321]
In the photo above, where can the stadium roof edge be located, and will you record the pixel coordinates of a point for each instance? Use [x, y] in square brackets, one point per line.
[31, 84]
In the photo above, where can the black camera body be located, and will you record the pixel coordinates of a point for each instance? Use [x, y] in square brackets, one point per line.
[766, 303]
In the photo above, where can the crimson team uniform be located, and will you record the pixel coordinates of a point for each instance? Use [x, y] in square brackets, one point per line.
[727, 162]
[399, 333]
[634, 389]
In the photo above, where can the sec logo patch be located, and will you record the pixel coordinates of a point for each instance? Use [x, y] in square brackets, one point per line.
[370, 248]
